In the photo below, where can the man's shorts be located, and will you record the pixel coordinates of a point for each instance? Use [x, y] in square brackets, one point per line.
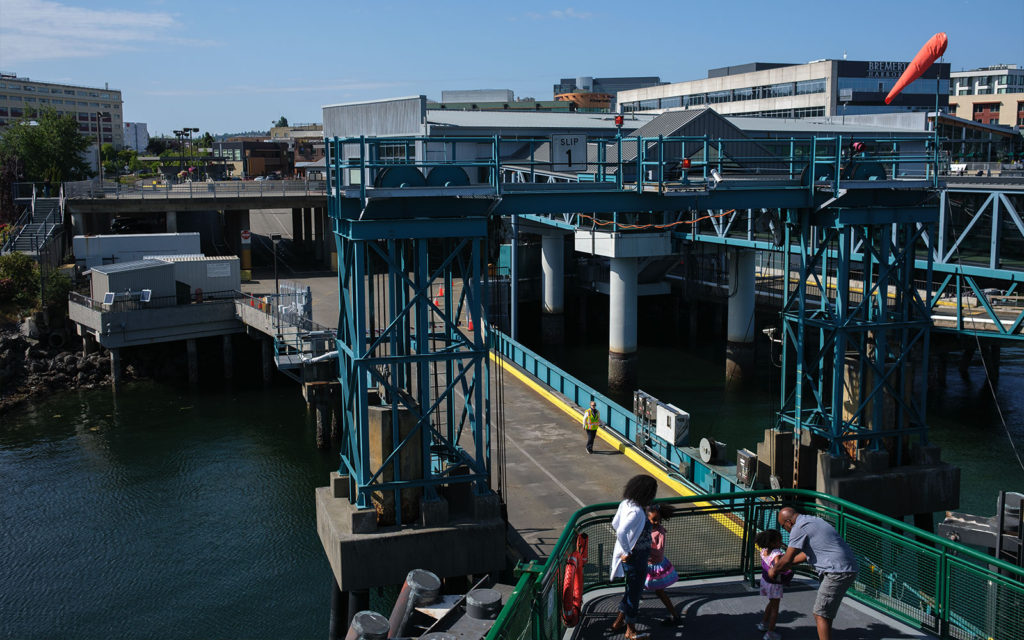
[830, 593]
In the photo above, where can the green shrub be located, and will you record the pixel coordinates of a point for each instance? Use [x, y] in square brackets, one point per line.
[23, 272]
[58, 286]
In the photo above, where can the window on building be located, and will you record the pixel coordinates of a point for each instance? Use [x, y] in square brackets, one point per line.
[694, 100]
[54, 90]
[810, 86]
[28, 88]
[3, 111]
[746, 93]
[30, 99]
[16, 113]
[629, 107]
[69, 92]
[717, 97]
[105, 95]
[672, 101]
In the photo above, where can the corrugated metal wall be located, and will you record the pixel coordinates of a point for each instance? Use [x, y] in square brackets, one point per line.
[211, 274]
[402, 117]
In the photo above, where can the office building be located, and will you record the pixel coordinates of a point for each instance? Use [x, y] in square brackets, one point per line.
[609, 86]
[98, 110]
[779, 90]
[990, 95]
[136, 136]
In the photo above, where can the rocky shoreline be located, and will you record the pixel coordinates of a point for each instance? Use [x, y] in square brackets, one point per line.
[30, 369]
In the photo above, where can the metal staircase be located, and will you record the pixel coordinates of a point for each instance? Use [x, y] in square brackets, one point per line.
[37, 226]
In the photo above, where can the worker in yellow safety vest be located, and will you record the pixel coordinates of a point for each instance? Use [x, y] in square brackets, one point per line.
[591, 421]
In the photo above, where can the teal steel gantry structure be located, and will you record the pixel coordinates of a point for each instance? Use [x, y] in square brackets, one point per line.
[408, 216]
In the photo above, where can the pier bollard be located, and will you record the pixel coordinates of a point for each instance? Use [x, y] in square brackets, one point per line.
[368, 625]
[421, 587]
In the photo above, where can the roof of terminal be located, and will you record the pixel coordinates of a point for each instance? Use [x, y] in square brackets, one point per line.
[531, 119]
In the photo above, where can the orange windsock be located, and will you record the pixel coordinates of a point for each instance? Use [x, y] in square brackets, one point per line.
[929, 53]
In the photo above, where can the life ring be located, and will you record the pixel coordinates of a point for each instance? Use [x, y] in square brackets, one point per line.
[572, 583]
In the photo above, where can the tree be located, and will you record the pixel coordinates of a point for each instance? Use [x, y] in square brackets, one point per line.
[157, 146]
[10, 172]
[281, 122]
[207, 140]
[49, 148]
[19, 275]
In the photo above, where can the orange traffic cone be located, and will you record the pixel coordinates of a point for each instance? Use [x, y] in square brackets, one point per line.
[441, 292]
[470, 325]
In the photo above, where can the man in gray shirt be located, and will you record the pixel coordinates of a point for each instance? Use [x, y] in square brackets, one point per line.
[830, 556]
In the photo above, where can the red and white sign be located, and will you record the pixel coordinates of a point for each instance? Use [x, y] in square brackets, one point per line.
[246, 236]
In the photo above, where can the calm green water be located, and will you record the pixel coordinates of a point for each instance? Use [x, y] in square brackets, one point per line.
[165, 515]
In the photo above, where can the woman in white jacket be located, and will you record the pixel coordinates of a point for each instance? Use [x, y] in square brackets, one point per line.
[632, 548]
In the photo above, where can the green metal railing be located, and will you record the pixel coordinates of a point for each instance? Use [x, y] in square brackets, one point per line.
[920, 579]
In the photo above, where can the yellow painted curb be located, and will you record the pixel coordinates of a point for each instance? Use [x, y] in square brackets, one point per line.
[725, 520]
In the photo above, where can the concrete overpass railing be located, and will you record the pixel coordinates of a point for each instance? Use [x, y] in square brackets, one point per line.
[87, 189]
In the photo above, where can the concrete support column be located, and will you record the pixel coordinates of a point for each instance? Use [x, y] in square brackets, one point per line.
[172, 221]
[307, 228]
[339, 612]
[553, 268]
[296, 224]
[88, 344]
[115, 370]
[318, 242]
[229, 358]
[739, 350]
[622, 289]
[323, 424]
[193, 362]
[268, 361]
[326, 235]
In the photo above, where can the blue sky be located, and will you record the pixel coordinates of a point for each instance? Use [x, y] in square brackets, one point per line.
[232, 65]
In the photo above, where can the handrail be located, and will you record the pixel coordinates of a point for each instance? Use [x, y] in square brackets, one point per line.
[906, 573]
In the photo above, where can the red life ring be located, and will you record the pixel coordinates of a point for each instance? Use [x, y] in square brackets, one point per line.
[572, 582]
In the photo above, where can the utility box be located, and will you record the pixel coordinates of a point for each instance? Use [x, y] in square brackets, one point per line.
[746, 467]
[673, 424]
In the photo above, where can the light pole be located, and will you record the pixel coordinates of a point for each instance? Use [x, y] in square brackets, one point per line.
[99, 144]
[191, 149]
[275, 238]
[180, 135]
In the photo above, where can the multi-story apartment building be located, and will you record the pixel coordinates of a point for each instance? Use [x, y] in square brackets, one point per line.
[778, 90]
[98, 110]
[990, 95]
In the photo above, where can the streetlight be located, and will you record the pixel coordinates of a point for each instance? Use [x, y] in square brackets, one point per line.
[99, 144]
[180, 134]
[191, 148]
[275, 238]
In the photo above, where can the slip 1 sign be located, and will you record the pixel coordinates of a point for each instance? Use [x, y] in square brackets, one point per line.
[569, 152]
[246, 236]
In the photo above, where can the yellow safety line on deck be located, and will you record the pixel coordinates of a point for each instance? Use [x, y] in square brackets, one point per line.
[725, 520]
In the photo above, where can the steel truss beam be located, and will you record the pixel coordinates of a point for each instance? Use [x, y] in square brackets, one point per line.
[847, 363]
[401, 339]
